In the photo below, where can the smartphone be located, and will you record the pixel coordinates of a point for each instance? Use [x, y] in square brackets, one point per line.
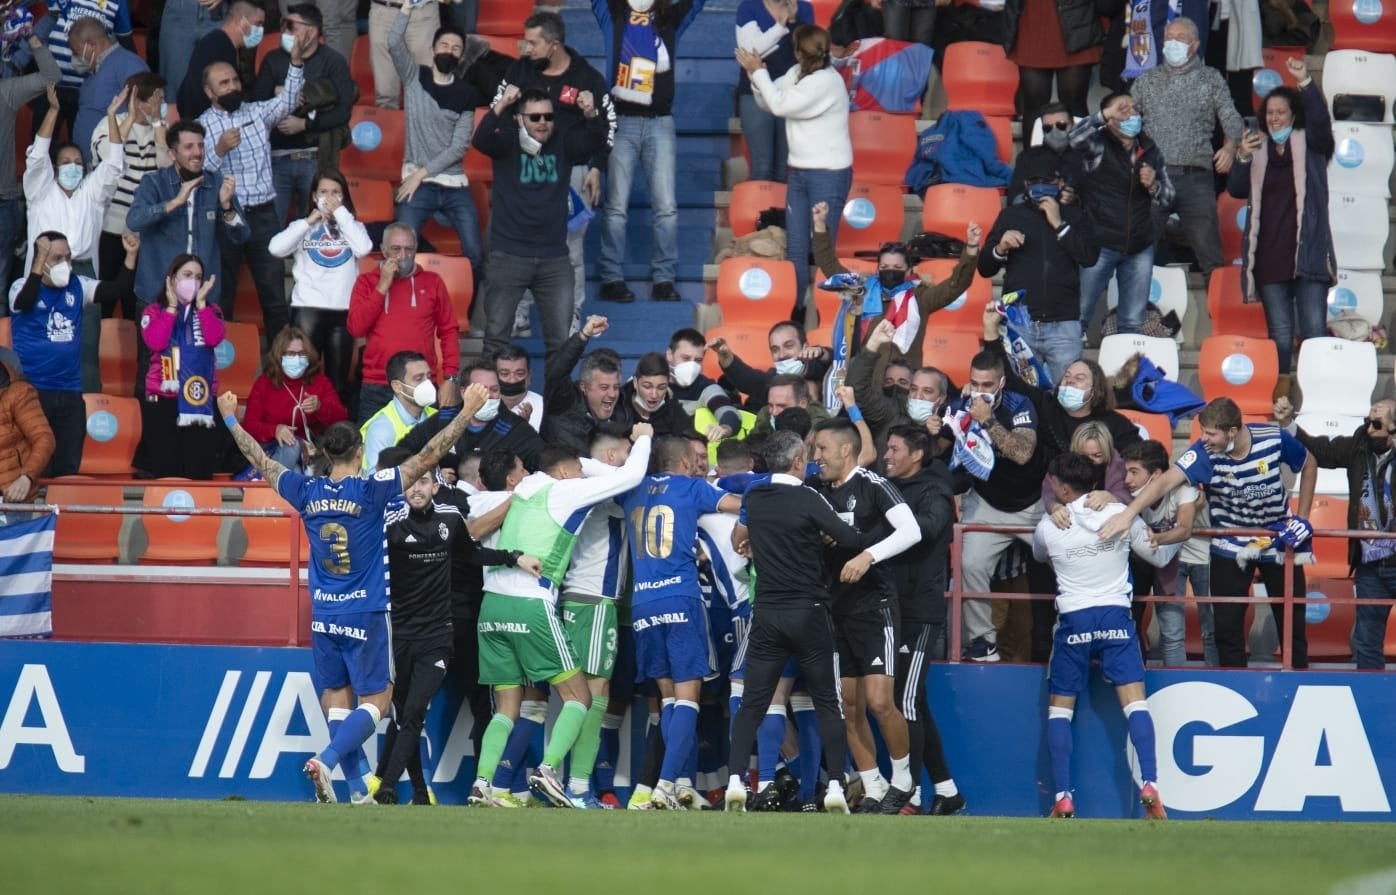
[1252, 124]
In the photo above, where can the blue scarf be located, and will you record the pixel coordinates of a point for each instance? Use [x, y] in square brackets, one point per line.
[1016, 323]
[188, 363]
[642, 56]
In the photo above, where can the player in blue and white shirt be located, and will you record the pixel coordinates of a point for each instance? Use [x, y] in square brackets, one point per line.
[1093, 621]
[1240, 465]
[351, 637]
[667, 614]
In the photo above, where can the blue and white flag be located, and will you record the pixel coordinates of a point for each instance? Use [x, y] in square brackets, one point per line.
[26, 578]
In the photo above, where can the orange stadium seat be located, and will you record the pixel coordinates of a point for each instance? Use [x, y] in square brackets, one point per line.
[444, 240]
[383, 162]
[883, 146]
[181, 539]
[1152, 425]
[113, 431]
[504, 17]
[117, 356]
[1275, 59]
[460, 283]
[1231, 316]
[508, 44]
[6, 338]
[264, 50]
[1329, 628]
[826, 305]
[755, 291]
[479, 168]
[1239, 368]
[361, 70]
[238, 358]
[247, 307]
[1002, 126]
[966, 313]
[86, 537]
[824, 11]
[949, 207]
[950, 351]
[979, 76]
[269, 539]
[872, 215]
[373, 200]
[1362, 25]
[749, 199]
[1329, 511]
[747, 341]
[1231, 216]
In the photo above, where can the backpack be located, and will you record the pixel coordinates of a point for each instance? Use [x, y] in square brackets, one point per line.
[958, 148]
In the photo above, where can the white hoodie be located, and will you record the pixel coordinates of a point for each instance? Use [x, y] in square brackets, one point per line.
[1092, 572]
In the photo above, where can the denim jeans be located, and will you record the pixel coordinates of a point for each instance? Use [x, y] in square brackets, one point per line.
[12, 233]
[1195, 203]
[1133, 273]
[182, 23]
[453, 203]
[1200, 574]
[550, 281]
[651, 143]
[1374, 582]
[1056, 344]
[292, 179]
[1306, 300]
[806, 187]
[765, 140]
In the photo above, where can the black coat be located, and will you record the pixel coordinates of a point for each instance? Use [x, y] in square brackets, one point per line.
[1048, 266]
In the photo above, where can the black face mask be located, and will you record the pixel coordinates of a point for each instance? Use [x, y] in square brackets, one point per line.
[512, 389]
[891, 279]
[445, 63]
[1378, 445]
[539, 62]
[230, 102]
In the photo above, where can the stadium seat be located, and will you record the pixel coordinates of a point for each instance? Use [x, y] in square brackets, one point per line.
[384, 162]
[361, 70]
[1239, 368]
[966, 313]
[951, 351]
[883, 146]
[502, 17]
[1360, 224]
[872, 215]
[113, 431]
[373, 200]
[1358, 291]
[755, 291]
[1362, 160]
[443, 239]
[749, 199]
[949, 207]
[1363, 25]
[1329, 627]
[1329, 511]
[980, 77]
[1360, 73]
[269, 539]
[86, 537]
[826, 305]
[247, 307]
[238, 358]
[1328, 425]
[1168, 291]
[117, 356]
[1276, 71]
[1231, 316]
[747, 341]
[1231, 217]
[479, 168]
[1002, 126]
[460, 283]
[1116, 349]
[508, 44]
[263, 51]
[1337, 376]
[182, 540]
[824, 11]
[1152, 425]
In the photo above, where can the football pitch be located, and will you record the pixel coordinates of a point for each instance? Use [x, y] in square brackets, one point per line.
[73, 845]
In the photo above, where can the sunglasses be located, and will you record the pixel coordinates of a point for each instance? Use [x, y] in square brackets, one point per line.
[1059, 126]
[536, 117]
[1378, 425]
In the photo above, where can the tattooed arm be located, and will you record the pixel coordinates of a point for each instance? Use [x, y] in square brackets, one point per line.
[1016, 445]
[270, 470]
[413, 467]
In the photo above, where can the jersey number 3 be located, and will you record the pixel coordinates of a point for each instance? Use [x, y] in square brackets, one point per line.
[336, 537]
[655, 530]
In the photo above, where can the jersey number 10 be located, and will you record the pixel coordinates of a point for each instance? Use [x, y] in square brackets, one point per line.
[655, 530]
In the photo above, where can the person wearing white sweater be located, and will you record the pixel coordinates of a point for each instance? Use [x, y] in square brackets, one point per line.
[326, 245]
[813, 100]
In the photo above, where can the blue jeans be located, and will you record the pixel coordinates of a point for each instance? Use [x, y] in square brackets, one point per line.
[1133, 273]
[12, 231]
[1056, 344]
[765, 140]
[1374, 582]
[452, 203]
[182, 23]
[1306, 300]
[292, 178]
[650, 142]
[805, 187]
[1200, 574]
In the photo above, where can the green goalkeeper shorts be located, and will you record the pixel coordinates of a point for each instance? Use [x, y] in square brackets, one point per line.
[521, 639]
[591, 631]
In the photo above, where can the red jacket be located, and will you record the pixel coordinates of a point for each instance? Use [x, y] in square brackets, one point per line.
[270, 405]
[415, 313]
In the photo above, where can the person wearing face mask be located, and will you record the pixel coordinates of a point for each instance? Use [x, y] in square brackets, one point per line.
[922, 403]
[1124, 184]
[1056, 124]
[1287, 260]
[1182, 102]
[511, 365]
[48, 324]
[649, 395]
[791, 355]
[409, 376]
[26, 441]
[105, 66]
[183, 23]
[292, 402]
[244, 26]
[691, 390]
[113, 16]
[178, 429]
[419, 33]
[14, 92]
[493, 428]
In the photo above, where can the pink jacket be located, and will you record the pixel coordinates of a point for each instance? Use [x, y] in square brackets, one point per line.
[157, 326]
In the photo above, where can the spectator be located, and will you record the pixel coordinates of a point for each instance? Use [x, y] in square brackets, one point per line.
[240, 133]
[409, 376]
[184, 23]
[114, 15]
[298, 144]
[1041, 245]
[493, 427]
[1060, 41]
[813, 100]
[1093, 441]
[1287, 247]
[15, 92]
[909, 20]
[1125, 184]
[764, 27]
[897, 373]
[1056, 127]
[420, 35]
[641, 47]
[528, 209]
[325, 246]
[782, 393]
[26, 441]
[178, 437]
[694, 391]
[243, 27]
[575, 410]
[399, 307]
[440, 114]
[921, 401]
[791, 355]
[515, 384]
[648, 395]
[1182, 102]
[291, 404]
[105, 67]
[143, 134]
[49, 319]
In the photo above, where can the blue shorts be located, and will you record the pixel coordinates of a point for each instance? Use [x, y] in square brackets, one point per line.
[671, 639]
[353, 650]
[1106, 632]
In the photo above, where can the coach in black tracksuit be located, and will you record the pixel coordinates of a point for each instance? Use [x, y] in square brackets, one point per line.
[785, 523]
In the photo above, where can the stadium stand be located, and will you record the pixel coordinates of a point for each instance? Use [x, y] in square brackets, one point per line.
[1240, 368]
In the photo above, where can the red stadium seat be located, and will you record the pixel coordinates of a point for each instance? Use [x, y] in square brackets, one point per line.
[755, 291]
[747, 341]
[1231, 316]
[508, 44]
[373, 200]
[117, 356]
[86, 537]
[384, 162]
[264, 49]
[247, 307]
[1362, 25]
[1153, 425]
[966, 313]
[883, 146]
[1002, 126]
[504, 17]
[269, 539]
[1275, 59]
[749, 199]
[361, 70]
[1231, 216]
[824, 11]
[238, 358]
[949, 207]
[479, 168]
[872, 215]
[182, 540]
[1239, 368]
[444, 240]
[1329, 627]
[113, 431]
[460, 283]
[950, 351]
[979, 76]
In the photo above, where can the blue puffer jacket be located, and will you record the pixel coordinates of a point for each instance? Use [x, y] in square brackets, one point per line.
[1312, 148]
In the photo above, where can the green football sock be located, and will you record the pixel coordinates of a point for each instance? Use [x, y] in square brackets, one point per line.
[565, 730]
[589, 740]
[492, 745]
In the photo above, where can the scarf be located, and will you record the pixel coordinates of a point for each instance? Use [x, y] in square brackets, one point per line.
[901, 311]
[642, 56]
[973, 449]
[843, 337]
[186, 366]
[1016, 324]
[1140, 52]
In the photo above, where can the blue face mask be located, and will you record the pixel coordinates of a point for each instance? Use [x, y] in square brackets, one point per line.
[1039, 191]
[1071, 397]
[1131, 126]
[294, 365]
[1281, 136]
[254, 37]
[1175, 52]
[164, 111]
[919, 410]
[69, 176]
[288, 41]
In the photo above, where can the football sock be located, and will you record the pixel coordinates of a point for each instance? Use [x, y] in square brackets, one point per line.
[512, 771]
[769, 736]
[947, 788]
[666, 717]
[588, 744]
[496, 737]
[1059, 746]
[355, 764]
[734, 704]
[807, 734]
[608, 753]
[1141, 734]
[353, 732]
[901, 773]
[565, 731]
[679, 741]
[874, 787]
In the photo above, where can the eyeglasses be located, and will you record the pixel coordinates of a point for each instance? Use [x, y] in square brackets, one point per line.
[536, 117]
[1378, 425]
[1059, 126]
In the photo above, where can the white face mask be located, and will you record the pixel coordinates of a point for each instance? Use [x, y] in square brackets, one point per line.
[527, 143]
[686, 373]
[60, 274]
[424, 393]
[987, 396]
[488, 411]
[1135, 492]
[641, 5]
[919, 410]
[642, 404]
[791, 366]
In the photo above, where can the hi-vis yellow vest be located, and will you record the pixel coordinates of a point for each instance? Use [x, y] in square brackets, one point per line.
[703, 420]
[400, 426]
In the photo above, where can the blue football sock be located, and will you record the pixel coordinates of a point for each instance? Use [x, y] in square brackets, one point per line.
[1059, 746]
[604, 774]
[811, 748]
[349, 738]
[679, 739]
[769, 737]
[666, 717]
[1141, 734]
[532, 757]
[513, 756]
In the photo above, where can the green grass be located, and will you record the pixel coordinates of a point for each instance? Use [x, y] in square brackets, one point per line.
[70, 845]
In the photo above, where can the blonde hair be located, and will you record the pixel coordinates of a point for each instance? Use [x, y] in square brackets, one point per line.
[811, 48]
[1096, 431]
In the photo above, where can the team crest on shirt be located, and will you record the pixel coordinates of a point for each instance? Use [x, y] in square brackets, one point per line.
[196, 390]
[441, 530]
[1187, 459]
[325, 250]
[1262, 467]
[68, 298]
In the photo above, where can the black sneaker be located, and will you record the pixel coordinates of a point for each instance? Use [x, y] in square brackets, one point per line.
[810, 806]
[385, 796]
[787, 789]
[981, 649]
[895, 801]
[869, 805]
[944, 806]
[663, 291]
[765, 800]
[617, 292]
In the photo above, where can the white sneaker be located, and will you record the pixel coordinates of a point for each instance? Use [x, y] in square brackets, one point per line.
[662, 799]
[319, 775]
[690, 799]
[735, 798]
[834, 802]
